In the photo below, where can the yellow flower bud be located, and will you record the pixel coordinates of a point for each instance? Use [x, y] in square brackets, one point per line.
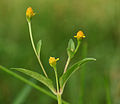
[80, 35]
[29, 13]
[52, 61]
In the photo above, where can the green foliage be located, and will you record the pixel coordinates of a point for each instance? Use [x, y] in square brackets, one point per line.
[55, 22]
[39, 45]
[71, 48]
[30, 83]
[46, 81]
[26, 81]
[63, 79]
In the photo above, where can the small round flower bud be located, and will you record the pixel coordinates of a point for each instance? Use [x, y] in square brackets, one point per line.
[29, 13]
[52, 61]
[80, 35]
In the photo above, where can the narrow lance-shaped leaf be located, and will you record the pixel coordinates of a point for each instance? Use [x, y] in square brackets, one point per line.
[30, 83]
[39, 77]
[39, 44]
[63, 79]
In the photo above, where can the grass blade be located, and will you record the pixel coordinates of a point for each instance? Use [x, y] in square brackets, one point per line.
[108, 93]
[21, 97]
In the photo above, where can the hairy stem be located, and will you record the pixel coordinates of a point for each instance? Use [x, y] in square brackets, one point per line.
[33, 45]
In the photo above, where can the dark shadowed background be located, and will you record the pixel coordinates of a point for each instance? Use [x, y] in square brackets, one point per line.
[55, 22]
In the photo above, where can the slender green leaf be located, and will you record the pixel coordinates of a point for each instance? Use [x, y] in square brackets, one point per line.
[37, 76]
[71, 45]
[63, 79]
[71, 48]
[27, 81]
[39, 44]
[31, 83]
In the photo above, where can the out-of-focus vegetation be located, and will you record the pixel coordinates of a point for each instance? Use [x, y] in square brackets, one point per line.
[57, 21]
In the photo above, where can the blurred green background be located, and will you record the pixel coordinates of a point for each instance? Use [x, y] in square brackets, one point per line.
[57, 21]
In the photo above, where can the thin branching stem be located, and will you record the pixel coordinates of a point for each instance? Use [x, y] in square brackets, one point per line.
[68, 60]
[33, 45]
[67, 63]
[56, 80]
[58, 91]
[78, 44]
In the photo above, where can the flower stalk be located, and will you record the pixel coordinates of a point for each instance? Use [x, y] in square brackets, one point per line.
[78, 44]
[67, 63]
[79, 36]
[33, 45]
[52, 62]
[69, 58]
[58, 91]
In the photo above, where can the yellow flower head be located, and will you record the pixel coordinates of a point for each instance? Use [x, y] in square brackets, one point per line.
[29, 13]
[52, 61]
[80, 35]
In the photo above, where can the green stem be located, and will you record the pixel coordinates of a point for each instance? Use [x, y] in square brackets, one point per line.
[68, 60]
[78, 44]
[33, 45]
[59, 98]
[67, 63]
[56, 79]
[58, 92]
